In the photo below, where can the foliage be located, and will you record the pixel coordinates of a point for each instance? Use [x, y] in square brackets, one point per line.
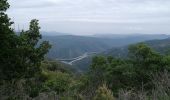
[103, 93]
[58, 81]
[24, 74]
[52, 65]
[20, 55]
[132, 72]
[161, 91]
[8, 42]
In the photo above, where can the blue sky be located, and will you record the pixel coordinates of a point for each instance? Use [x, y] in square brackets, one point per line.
[85, 17]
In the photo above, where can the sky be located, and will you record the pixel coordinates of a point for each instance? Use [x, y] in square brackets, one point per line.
[86, 17]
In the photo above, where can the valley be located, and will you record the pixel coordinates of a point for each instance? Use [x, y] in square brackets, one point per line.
[79, 58]
[72, 46]
[84, 50]
[78, 51]
[159, 45]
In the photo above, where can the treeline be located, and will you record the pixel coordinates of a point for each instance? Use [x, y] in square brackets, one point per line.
[139, 73]
[26, 75]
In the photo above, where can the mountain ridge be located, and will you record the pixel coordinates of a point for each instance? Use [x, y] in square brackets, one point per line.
[71, 46]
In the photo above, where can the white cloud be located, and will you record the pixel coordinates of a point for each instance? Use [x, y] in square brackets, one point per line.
[96, 11]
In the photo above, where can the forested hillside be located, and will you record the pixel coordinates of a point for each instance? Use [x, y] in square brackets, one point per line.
[70, 46]
[25, 73]
[159, 45]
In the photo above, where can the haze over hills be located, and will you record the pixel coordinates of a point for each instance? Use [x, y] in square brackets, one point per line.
[53, 33]
[133, 35]
[71, 46]
[160, 45]
[66, 61]
[73, 57]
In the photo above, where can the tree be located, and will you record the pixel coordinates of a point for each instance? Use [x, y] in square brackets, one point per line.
[140, 52]
[97, 71]
[8, 43]
[146, 62]
[3, 5]
[58, 82]
[20, 55]
[31, 53]
[132, 72]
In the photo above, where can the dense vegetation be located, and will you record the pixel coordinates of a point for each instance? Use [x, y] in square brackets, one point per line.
[26, 75]
[160, 45]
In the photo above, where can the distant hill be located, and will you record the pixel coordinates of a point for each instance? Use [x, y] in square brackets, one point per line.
[52, 33]
[160, 45]
[137, 36]
[70, 46]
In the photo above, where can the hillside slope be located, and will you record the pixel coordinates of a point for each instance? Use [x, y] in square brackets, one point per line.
[159, 45]
[69, 46]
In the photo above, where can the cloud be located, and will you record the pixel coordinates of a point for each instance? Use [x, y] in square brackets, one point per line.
[97, 11]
